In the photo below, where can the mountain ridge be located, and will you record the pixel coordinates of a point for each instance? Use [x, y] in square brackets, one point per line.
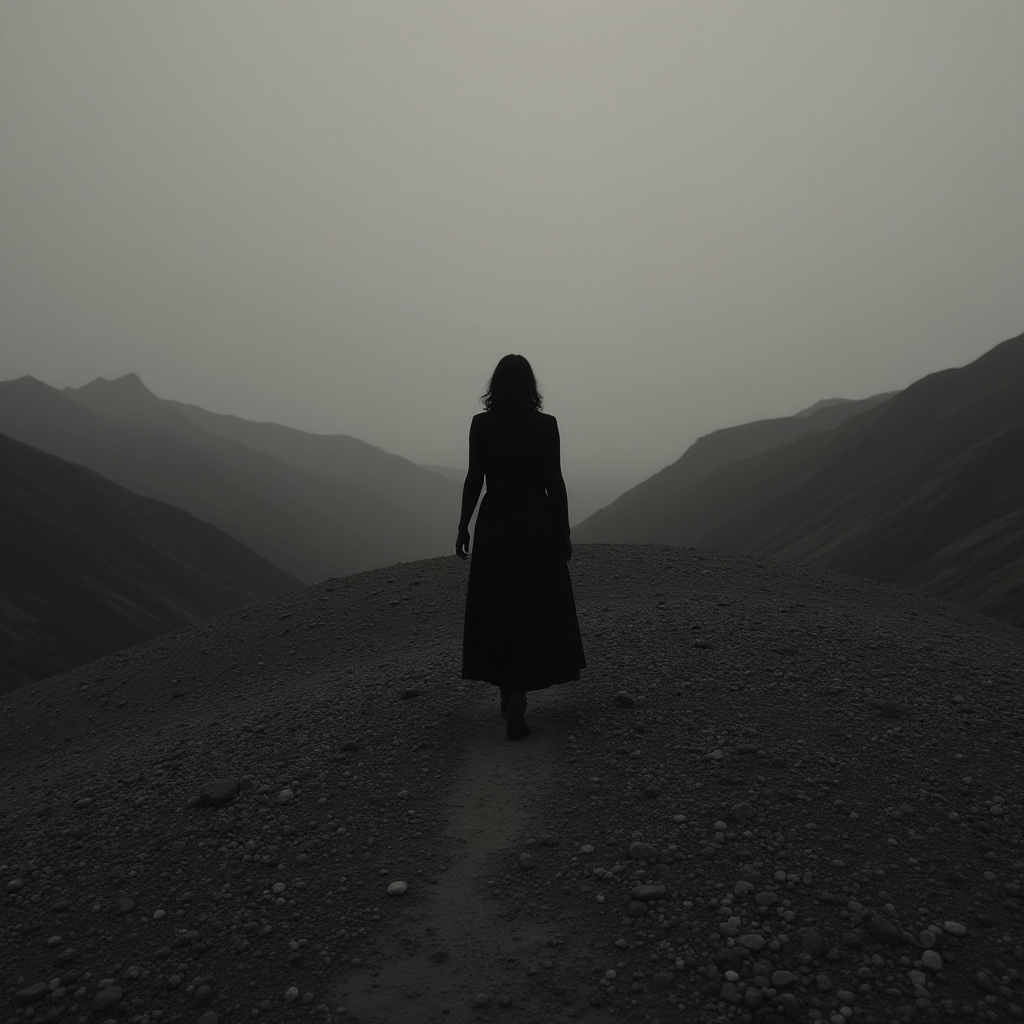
[902, 492]
[91, 567]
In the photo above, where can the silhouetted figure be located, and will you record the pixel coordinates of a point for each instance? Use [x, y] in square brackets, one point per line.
[521, 632]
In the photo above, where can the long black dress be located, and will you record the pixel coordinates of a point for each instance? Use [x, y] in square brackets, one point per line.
[521, 629]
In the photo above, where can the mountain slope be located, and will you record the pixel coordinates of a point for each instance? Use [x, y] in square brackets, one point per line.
[90, 568]
[926, 490]
[708, 453]
[312, 515]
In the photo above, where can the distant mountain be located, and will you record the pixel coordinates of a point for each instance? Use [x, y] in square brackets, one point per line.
[314, 505]
[90, 568]
[925, 490]
[620, 520]
[459, 475]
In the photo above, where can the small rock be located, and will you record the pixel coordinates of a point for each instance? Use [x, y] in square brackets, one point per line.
[107, 998]
[220, 791]
[291, 995]
[125, 905]
[642, 851]
[729, 992]
[398, 889]
[31, 994]
[754, 942]
[624, 700]
[782, 979]
[646, 893]
[824, 982]
[409, 692]
[210, 1017]
[637, 908]
[203, 995]
[955, 928]
[662, 980]
[884, 931]
[742, 811]
[931, 960]
[286, 796]
[527, 861]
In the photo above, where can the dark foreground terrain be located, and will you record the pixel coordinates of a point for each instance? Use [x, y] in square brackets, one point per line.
[778, 794]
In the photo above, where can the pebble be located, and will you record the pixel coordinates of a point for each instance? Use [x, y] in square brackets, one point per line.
[642, 851]
[931, 960]
[527, 861]
[107, 997]
[286, 796]
[955, 928]
[398, 889]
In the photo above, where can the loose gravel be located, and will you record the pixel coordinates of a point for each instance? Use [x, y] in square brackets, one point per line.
[777, 794]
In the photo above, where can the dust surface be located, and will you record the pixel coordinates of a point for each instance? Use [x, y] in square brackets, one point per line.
[459, 955]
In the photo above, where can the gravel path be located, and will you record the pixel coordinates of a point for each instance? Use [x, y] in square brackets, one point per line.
[777, 794]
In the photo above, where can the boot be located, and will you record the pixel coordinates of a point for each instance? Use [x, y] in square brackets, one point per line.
[516, 727]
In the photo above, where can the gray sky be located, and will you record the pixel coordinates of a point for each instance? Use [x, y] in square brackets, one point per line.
[340, 215]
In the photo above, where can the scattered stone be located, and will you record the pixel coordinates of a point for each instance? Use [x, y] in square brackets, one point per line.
[30, 995]
[624, 700]
[884, 931]
[646, 893]
[286, 796]
[931, 960]
[754, 942]
[398, 889]
[409, 692]
[642, 851]
[955, 928]
[220, 791]
[742, 811]
[107, 998]
[637, 908]
[811, 943]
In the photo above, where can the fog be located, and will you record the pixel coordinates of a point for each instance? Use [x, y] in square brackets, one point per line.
[340, 215]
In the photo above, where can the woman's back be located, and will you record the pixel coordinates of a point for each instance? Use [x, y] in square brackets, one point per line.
[515, 451]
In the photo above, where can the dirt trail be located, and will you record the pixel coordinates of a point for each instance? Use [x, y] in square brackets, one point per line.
[460, 944]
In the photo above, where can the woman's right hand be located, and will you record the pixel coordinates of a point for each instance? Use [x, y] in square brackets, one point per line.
[462, 543]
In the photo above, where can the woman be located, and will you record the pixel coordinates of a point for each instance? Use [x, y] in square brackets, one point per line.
[521, 631]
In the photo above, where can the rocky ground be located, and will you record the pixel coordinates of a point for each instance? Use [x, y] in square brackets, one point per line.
[777, 794]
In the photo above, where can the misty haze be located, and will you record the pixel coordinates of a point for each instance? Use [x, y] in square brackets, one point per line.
[355, 667]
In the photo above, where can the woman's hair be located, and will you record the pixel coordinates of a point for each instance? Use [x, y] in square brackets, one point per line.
[512, 387]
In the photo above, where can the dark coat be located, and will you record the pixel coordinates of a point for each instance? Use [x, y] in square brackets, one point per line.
[521, 629]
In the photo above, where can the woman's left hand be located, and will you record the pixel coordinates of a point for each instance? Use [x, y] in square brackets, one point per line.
[462, 544]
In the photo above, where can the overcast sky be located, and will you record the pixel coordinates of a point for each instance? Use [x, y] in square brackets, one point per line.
[340, 215]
